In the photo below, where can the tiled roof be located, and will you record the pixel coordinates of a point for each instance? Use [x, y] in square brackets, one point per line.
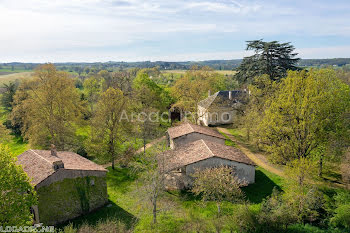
[201, 150]
[38, 164]
[222, 98]
[187, 128]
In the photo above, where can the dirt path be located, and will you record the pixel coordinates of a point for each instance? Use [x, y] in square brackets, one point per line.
[256, 158]
[148, 145]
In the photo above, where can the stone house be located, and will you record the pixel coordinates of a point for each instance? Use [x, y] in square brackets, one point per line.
[180, 163]
[185, 133]
[221, 107]
[67, 184]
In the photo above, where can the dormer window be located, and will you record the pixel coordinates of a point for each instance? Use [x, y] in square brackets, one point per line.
[58, 165]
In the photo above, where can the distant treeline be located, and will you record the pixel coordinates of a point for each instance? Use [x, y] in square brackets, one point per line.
[163, 65]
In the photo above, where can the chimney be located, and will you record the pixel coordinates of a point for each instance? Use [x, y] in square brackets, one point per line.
[53, 150]
[209, 93]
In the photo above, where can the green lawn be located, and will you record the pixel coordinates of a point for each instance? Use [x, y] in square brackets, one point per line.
[9, 70]
[124, 204]
[16, 144]
[177, 208]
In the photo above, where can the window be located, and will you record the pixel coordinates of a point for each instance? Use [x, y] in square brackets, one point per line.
[226, 117]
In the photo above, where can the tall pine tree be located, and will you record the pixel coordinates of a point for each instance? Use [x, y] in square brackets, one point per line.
[271, 58]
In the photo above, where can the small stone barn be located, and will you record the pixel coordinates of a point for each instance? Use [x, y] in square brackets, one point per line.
[221, 107]
[180, 163]
[185, 133]
[67, 184]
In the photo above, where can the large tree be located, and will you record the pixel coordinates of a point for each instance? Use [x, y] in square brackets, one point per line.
[7, 96]
[92, 90]
[271, 58]
[306, 115]
[48, 108]
[151, 101]
[194, 86]
[16, 193]
[110, 125]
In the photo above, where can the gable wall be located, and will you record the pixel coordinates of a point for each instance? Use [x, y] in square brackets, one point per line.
[243, 171]
[207, 117]
[70, 198]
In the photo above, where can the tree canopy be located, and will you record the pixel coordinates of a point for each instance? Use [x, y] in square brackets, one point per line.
[110, 125]
[16, 193]
[194, 86]
[48, 107]
[271, 58]
[307, 112]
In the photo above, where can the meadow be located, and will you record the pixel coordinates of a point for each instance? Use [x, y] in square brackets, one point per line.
[178, 210]
[6, 78]
[224, 72]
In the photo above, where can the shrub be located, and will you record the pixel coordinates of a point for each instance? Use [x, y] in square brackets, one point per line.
[341, 217]
[275, 214]
[242, 220]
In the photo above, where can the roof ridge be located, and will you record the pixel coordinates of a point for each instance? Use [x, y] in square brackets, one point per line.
[41, 156]
[207, 147]
[191, 127]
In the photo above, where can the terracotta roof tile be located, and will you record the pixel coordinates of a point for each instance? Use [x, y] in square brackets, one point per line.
[187, 128]
[201, 150]
[38, 164]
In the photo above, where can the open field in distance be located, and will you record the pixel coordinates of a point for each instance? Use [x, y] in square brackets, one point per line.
[13, 77]
[224, 72]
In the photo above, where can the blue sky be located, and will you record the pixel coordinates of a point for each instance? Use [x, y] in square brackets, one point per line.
[177, 30]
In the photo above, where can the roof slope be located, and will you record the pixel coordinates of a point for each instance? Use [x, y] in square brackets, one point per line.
[38, 164]
[201, 150]
[222, 98]
[187, 128]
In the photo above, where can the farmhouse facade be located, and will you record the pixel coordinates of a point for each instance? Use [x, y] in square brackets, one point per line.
[180, 163]
[67, 184]
[185, 133]
[220, 108]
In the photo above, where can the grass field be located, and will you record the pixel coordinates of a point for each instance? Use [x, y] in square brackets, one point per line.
[224, 72]
[13, 77]
[9, 70]
[176, 207]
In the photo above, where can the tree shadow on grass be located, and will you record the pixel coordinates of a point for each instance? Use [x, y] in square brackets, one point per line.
[111, 211]
[261, 189]
[120, 178]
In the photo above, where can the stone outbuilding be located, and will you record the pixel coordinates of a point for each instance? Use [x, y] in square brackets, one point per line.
[185, 133]
[180, 163]
[67, 184]
[221, 108]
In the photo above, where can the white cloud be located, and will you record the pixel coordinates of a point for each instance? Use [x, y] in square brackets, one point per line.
[68, 29]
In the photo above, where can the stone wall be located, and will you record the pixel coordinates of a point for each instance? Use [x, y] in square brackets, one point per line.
[243, 171]
[183, 140]
[70, 198]
[181, 178]
[216, 117]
